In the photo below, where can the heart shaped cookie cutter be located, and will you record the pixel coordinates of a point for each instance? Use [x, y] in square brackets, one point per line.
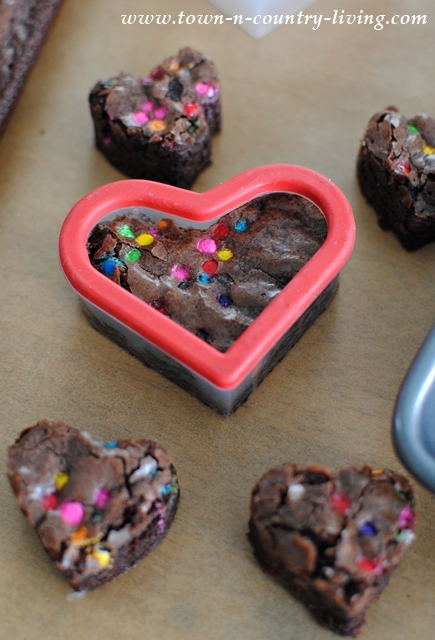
[221, 380]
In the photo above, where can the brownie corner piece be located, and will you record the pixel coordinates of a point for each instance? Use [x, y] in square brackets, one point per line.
[159, 127]
[332, 540]
[97, 507]
[396, 174]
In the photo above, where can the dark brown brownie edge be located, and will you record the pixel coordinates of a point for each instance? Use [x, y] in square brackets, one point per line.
[43, 15]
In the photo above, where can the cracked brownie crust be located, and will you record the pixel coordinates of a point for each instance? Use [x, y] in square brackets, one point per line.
[213, 282]
[23, 26]
[396, 173]
[333, 540]
[160, 127]
[97, 507]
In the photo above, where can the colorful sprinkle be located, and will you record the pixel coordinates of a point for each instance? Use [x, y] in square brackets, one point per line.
[205, 88]
[403, 167]
[60, 479]
[102, 498]
[206, 245]
[406, 518]
[154, 232]
[49, 502]
[157, 125]
[340, 503]
[166, 489]
[368, 529]
[133, 255]
[111, 444]
[405, 536]
[147, 106]
[158, 74]
[174, 66]
[210, 267]
[160, 112]
[370, 565]
[428, 150]
[225, 254]
[162, 223]
[72, 512]
[412, 129]
[191, 109]
[180, 271]
[102, 556]
[203, 278]
[108, 267]
[140, 117]
[126, 231]
[295, 491]
[240, 225]
[79, 535]
[221, 231]
[225, 300]
[106, 141]
[144, 239]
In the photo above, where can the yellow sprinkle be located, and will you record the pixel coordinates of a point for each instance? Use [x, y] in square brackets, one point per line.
[102, 556]
[225, 254]
[60, 479]
[144, 239]
[157, 125]
[428, 150]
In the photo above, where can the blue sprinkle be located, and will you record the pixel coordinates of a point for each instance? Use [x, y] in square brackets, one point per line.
[108, 267]
[166, 489]
[203, 278]
[225, 301]
[111, 444]
[240, 225]
[368, 529]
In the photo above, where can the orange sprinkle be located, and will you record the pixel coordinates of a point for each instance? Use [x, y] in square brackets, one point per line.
[377, 472]
[79, 535]
[157, 125]
[174, 66]
[162, 224]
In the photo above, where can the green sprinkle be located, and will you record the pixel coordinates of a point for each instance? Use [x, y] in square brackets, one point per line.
[133, 255]
[191, 129]
[412, 129]
[197, 122]
[126, 231]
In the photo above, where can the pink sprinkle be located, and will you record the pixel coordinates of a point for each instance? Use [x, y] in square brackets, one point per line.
[406, 517]
[147, 105]
[206, 245]
[111, 117]
[140, 117]
[106, 140]
[154, 232]
[180, 271]
[102, 498]
[146, 80]
[72, 512]
[160, 112]
[204, 89]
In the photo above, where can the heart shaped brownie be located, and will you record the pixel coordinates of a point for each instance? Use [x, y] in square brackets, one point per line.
[160, 127]
[396, 173]
[216, 281]
[97, 507]
[332, 539]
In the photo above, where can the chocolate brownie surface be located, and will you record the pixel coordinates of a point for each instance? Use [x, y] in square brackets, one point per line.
[213, 282]
[23, 26]
[160, 127]
[97, 507]
[396, 173]
[332, 539]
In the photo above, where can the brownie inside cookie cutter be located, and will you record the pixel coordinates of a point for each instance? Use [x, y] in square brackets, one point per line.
[414, 416]
[221, 380]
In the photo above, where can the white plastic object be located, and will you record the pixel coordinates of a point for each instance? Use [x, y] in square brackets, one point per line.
[260, 11]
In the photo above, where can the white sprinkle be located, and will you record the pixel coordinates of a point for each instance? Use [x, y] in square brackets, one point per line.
[148, 466]
[295, 491]
[76, 595]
